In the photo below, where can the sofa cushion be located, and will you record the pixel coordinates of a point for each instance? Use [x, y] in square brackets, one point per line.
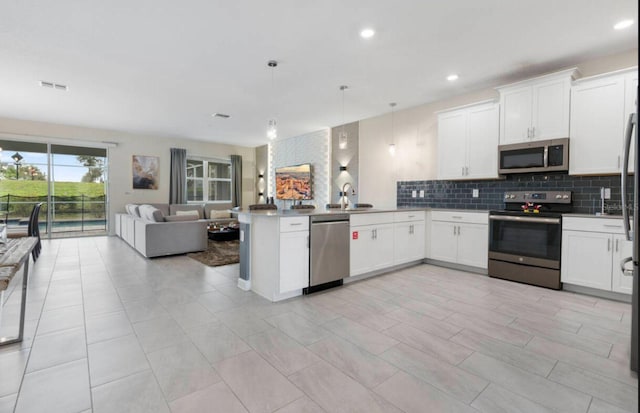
[181, 217]
[174, 208]
[213, 214]
[132, 209]
[193, 213]
[150, 213]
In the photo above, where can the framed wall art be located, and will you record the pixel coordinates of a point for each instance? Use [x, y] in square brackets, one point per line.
[145, 171]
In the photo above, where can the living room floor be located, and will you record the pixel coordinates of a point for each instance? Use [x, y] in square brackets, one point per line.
[110, 331]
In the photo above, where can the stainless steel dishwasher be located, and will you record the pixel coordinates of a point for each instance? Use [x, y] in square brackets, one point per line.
[329, 251]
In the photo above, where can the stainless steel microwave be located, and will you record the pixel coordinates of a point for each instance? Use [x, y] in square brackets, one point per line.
[550, 155]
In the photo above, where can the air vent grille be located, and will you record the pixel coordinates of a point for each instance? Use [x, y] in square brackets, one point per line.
[52, 85]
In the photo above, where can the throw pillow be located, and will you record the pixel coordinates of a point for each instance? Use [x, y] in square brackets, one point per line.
[150, 213]
[132, 209]
[214, 214]
[192, 212]
[180, 218]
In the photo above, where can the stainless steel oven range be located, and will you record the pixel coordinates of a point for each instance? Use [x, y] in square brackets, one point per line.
[525, 238]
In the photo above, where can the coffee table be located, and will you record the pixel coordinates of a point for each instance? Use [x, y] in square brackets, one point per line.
[224, 234]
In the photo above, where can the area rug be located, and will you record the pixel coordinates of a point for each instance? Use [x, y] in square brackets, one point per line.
[218, 253]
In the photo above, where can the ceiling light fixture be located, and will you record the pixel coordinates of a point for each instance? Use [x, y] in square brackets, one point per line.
[623, 24]
[392, 145]
[342, 136]
[452, 77]
[367, 33]
[272, 128]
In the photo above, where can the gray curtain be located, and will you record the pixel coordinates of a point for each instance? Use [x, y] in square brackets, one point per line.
[178, 178]
[236, 180]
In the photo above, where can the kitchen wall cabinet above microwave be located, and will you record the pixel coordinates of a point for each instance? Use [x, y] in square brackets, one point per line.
[536, 108]
[600, 107]
[467, 142]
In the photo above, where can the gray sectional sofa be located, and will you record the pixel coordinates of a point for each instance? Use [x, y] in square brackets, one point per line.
[156, 230]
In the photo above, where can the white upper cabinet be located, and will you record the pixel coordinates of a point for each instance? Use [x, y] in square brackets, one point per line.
[599, 110]
[536, 109]
[467, 142]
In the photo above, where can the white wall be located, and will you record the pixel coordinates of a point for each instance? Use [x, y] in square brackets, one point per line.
[416, 136]
[119, 179]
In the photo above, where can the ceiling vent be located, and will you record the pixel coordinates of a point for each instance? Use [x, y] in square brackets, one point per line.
[52, 85]
[221, 115]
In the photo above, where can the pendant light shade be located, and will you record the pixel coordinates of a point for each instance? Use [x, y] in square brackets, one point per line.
[392, 145]
[272, 129]
[342, 136]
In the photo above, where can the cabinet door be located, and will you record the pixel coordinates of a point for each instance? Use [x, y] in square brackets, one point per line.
[630, 102]
[515, 114]
[621, 249]
[473, 245]
[452, 135]
[408, 242]
[294, 261]
[444, 242]
[597, 127]
[483, 130]
[586, 259]
[550, 114]
[360, 259]
[382, 251]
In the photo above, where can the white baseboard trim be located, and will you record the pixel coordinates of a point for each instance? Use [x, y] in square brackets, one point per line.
[244, 284]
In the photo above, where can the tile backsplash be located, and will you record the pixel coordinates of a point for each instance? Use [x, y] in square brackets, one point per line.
[458, 194]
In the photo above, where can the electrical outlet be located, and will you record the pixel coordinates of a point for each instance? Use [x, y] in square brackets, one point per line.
[476, 193]
[413, 194]
[422, 193]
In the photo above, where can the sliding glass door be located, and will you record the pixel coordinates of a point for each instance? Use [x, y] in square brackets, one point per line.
[69, 180]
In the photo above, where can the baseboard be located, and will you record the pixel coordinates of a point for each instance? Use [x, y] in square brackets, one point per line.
[454, 266]
[610, 295]
[244, 284]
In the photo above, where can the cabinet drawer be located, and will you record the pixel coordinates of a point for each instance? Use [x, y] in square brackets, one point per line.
[289, 224]
[408, 216]
[608, 225]
[371, 219]
[461, 216]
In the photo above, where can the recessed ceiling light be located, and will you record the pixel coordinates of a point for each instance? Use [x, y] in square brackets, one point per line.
[221, 115]
[623, 24]
[452, 78]
[367, 33]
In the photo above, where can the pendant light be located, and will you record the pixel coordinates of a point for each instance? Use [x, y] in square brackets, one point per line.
[272, 129]
[342, 136]
[392, 145]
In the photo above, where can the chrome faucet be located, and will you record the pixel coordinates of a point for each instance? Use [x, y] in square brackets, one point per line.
[343, 204]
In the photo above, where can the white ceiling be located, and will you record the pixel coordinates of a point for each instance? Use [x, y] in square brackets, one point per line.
[163, 66]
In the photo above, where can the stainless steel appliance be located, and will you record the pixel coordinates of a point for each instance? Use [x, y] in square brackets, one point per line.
[525, 238]
[538, 156]
[329, 251]
[630, 211]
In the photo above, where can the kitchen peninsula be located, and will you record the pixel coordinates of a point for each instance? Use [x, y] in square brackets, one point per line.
[275, 246]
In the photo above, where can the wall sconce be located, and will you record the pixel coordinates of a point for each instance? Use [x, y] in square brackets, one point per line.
[343, 168]
[260, 193]
[260, 176]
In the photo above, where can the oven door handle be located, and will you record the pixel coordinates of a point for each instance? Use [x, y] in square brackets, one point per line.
[524, 219]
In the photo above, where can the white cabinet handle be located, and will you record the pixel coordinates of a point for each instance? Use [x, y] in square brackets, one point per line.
[618, 161]
[617, 245]
[456, 217]
[533, 132]
[609, 244]
[293, 224]
[462, 173]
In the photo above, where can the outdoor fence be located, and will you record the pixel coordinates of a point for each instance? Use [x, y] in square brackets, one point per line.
[68, 213]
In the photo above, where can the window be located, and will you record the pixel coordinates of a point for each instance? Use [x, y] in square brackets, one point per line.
[208, 180]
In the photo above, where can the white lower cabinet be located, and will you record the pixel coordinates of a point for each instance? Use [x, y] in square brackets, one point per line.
[294, 254]
[459, 238]
[408, 237]
[592, 249]
[371, 248]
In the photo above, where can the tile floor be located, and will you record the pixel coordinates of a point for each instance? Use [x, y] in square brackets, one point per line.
[110, 331]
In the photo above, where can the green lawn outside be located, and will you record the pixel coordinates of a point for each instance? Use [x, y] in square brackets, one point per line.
[39, 188]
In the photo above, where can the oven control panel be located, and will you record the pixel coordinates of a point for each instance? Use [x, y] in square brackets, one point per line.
[541, 197]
